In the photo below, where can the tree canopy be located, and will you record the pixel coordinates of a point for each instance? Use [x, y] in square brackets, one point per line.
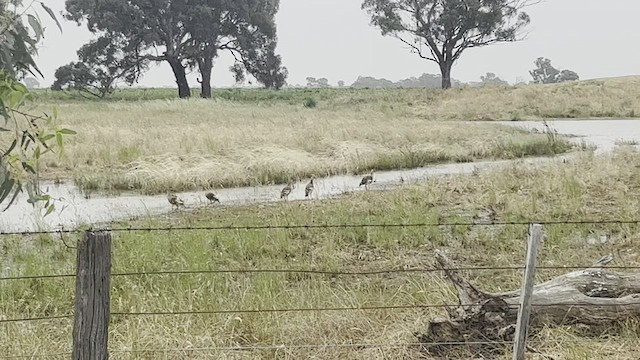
[545, 73]
[441, 30]
[491, 79]
[103, 63]
[191, 33]
[321, 82]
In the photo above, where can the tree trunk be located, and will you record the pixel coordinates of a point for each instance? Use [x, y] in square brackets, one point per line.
[594, 297]
[181, 77]
[445, 71]
[205, 65]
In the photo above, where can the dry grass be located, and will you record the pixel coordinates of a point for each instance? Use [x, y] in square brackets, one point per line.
[157, 145]
[604, 98]
[145, 140]
[609, 97]
[585, 188]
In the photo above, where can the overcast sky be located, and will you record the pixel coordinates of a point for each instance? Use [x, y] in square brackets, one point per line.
[333, 39]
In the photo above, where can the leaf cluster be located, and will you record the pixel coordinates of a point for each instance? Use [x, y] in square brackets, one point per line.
[24, 137]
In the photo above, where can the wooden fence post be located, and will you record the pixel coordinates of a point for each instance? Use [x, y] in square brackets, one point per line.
[93, 284]
[535, 235]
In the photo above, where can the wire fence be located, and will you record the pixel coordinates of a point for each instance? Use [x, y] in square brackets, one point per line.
[328, 226]
[306, 271]
[574, 305]
[329, 273]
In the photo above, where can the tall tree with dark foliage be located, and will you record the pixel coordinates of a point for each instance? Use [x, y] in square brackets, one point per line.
[184, 33]
[441, 30]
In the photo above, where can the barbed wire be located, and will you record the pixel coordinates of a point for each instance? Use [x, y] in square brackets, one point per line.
[373, 225]
[38, 318]
[314, 272]
[354, 308]
[252, 311]
[355, 345]
[323, 272]
[325, 226]
[36, 356]
[316, 309]
[37, 277]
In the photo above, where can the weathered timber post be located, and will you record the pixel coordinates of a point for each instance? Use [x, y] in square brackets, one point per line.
[93, 284]
[535, 234]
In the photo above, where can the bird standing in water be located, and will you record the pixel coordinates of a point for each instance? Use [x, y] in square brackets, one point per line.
[308, 189]
[212, 198]
[366, 180]
[174, 200]
[284, 194]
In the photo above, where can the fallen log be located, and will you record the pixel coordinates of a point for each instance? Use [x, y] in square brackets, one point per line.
[484, 322]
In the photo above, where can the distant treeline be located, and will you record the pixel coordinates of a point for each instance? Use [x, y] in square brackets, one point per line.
[424, 81]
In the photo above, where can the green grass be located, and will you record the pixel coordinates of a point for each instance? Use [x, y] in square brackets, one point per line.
[585, 188]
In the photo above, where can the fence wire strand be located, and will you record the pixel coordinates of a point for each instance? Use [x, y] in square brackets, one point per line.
[39, 318]
[325, 272]
[36, 356]
[317, 272]
[317, 309]
[327, 226]
[356, 308]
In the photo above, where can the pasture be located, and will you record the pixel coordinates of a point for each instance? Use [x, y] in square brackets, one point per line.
[580, 189]
[143, 140]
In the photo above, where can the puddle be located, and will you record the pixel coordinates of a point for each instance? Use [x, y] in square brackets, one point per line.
[73, 208]
[604, 134]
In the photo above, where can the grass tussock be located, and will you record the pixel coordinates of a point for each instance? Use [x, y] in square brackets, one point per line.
[587, 187]
[158, 145]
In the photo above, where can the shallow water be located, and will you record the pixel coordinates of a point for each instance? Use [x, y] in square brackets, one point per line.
[604, 134]
[74, 209]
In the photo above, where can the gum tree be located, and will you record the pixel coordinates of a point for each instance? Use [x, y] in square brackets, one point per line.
[103, 64]
[185, 33]
[245, 28]
[24, 137]
[158, 25]
[255, 53]
[441, 30]
[545, 73]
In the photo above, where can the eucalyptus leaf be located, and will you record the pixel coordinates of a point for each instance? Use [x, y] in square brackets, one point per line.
[51, 14]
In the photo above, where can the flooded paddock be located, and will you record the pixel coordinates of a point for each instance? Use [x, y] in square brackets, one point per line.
[73, 208]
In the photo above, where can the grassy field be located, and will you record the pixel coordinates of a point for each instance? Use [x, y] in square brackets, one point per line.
[585, 188]
[251, 137]
[610, 97]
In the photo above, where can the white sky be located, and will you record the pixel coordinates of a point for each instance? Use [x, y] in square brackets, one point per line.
[333, 39]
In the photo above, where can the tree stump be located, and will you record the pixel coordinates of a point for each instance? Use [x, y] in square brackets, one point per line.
[485, 322]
